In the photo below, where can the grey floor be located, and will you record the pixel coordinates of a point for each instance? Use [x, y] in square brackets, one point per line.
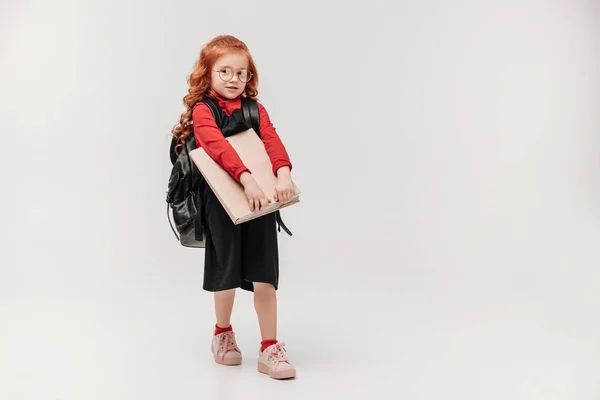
[420, 333]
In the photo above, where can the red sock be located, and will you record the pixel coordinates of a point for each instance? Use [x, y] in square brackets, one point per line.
[218, 329]
[266, 343]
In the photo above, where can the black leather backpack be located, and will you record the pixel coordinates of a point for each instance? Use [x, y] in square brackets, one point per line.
[183, 196]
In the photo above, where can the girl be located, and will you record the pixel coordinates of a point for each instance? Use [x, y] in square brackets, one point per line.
[245, 255]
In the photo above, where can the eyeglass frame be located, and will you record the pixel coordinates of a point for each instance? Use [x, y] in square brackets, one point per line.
[250, 75]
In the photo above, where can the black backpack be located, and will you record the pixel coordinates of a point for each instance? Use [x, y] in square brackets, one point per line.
[183, 195]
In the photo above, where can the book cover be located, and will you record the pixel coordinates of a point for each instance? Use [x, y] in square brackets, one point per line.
[230, 193]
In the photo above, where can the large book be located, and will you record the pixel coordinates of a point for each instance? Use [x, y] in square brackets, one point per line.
[230, 193]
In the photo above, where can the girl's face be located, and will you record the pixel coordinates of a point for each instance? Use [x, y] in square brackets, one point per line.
[230, 75]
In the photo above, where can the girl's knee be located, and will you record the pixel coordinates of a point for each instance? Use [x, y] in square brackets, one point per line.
[263, 289]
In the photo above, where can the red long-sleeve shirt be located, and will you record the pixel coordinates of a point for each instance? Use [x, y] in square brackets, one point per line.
[209, 137]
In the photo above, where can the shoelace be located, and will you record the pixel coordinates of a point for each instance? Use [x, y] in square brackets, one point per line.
[276, 353]
[226, 343]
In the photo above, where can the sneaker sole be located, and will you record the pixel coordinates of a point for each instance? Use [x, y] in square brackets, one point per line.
[228, 361]
[286, 374]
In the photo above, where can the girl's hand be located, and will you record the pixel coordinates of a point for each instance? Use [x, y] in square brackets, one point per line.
[284, 189]
[256, 197]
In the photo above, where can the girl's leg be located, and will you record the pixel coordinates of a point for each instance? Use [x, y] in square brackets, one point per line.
[261, 269]
[224, 347]
[271, 358]
[265, 304]
[224, 306]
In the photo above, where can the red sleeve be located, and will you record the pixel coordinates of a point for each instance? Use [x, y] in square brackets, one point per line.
[273, 144]
[209, 137]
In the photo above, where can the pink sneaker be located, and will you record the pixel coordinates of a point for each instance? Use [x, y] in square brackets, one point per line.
[274, 363]
[225, 349]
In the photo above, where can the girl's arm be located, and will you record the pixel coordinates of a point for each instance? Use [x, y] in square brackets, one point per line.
[273, 144]
[209, 137]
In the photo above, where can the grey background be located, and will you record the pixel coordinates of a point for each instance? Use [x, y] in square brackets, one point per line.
[447, 243]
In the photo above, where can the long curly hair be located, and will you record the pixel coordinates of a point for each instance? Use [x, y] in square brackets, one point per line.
[199, 80]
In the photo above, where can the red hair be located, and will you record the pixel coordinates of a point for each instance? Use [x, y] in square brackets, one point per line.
[199, 80]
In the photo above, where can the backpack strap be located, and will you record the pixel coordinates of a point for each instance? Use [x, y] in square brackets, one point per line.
[251, 115]
[169, 218]
[280, 223]
[213, 106]
[172, 152]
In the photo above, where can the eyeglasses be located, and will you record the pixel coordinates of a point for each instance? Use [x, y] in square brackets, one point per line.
[227, 73]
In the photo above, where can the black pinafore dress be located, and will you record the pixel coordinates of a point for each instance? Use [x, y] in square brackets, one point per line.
[236, 255]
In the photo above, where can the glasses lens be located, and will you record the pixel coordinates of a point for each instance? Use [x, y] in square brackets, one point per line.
[245, 76]
[226, 74]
